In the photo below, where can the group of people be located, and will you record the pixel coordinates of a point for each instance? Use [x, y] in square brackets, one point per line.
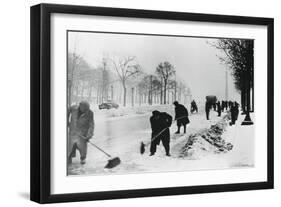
[81, 125]
[81, 128]
[221, 106]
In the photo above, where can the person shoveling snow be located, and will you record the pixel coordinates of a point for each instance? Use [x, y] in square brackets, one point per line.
[81, 130]
[160, 124]
[81, 124]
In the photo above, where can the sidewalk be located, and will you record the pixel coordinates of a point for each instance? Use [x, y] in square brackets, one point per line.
[243, 140]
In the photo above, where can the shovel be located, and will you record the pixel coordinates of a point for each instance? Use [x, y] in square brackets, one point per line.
[142, 145]
[112, 162]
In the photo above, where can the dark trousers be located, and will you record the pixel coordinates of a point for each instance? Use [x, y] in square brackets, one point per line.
[165, 141]
[184, 128]
[207, 114]
[233, 119]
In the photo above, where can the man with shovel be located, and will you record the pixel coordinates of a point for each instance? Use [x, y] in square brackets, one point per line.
[81, 129]
[160, 123]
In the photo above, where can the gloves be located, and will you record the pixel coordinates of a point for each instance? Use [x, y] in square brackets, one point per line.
[88, 137]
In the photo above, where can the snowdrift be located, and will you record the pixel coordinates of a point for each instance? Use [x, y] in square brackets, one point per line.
[207, 141]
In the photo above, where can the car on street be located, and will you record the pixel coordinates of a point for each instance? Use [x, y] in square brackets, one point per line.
[108, 105]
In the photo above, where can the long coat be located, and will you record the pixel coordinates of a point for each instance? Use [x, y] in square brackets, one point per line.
[181, 115]
[81, 124]
[162, 122]
[219, 108]
[157, 125]
[207, 107]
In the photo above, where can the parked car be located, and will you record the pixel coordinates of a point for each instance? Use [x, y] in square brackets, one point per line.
[108, 105]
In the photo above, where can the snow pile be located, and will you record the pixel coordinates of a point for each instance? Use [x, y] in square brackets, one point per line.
[206, 141]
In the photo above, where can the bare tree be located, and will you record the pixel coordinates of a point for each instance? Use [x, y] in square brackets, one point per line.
[165, 71]
[156, 87]
[125, 67]
[75, 63]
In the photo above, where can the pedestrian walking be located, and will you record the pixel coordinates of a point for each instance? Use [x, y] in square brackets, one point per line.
[219, 108]
[226, 105]
[222, 106]
[234, 112]
[207, 109]
[215, 106]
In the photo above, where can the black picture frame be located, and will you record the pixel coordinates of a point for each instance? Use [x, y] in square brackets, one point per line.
[41, 102]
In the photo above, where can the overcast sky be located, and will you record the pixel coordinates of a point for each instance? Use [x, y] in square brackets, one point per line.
[194, 60]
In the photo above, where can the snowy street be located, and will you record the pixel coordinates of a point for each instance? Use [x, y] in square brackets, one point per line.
[120, 135]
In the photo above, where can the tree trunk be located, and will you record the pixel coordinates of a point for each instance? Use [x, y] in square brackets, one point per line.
[139, 99]
[247, 120]
[132, 97]
[71, 83]
[69, 102]
[175, 95]
[112, 93]
[124, 95]
[161, 92]
[243, 101]
[248, 98]
[165, 90]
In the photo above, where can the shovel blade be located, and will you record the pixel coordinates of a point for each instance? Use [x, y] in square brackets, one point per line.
[113, 162]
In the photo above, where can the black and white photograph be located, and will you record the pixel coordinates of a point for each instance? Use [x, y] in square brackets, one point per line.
[129, 103]
[139, 103]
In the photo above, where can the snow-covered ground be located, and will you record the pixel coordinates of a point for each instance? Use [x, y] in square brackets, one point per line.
[121, 135]
[125, 112]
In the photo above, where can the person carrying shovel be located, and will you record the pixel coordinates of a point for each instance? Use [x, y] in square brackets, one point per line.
[81, 129]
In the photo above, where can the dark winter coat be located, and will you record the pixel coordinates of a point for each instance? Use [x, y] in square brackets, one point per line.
[207, 107]
[81, 123]
[236, 107]
[194, 106]
[223, 105]
[234, 111]
[159, 123]
[219, 108]
[181, 115]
